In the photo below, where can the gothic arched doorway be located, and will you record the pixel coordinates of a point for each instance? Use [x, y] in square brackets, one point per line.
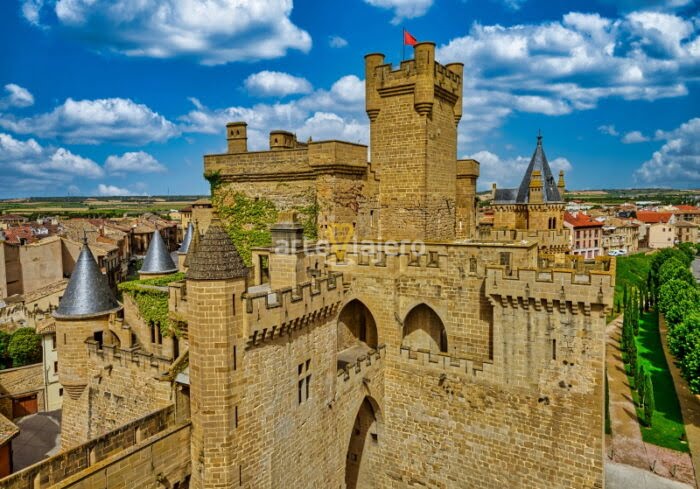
[363, 448]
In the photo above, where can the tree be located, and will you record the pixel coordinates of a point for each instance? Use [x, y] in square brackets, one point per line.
[675, 269]
[639, 382]
[648, 403]
[24, 347]
[685, 301]
[689, 249]
[4, 355]
[690, 364]
[632, 356]
[672, 291]
[679, 336]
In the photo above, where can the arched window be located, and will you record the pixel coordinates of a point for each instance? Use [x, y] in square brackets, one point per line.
[356, 326]
[423, 329]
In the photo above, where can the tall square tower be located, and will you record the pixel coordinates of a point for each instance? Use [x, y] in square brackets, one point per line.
[414, 112]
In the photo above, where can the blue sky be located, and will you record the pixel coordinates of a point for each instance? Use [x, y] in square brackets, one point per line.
[118, 97]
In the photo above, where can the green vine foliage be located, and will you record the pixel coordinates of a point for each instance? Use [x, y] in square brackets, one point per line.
[153, 304]
[248, 220]
[214, 179]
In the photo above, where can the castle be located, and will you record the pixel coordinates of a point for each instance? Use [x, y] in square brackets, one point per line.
[403, 350]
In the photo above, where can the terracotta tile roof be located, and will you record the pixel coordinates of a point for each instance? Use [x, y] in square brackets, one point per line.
[12, 217]
[652, 217]
[13, 235]
[688, 208]
[581, 220]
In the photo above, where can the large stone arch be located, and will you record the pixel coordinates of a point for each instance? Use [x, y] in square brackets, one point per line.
[363, 446]
[356, 326]
[423, 329]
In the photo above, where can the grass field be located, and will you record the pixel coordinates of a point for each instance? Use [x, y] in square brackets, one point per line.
[631, 271]
[667, 428]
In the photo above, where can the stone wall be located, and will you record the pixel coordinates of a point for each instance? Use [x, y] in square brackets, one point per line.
[135, 455]
[21, 382]
[123, 386]
[41, 264]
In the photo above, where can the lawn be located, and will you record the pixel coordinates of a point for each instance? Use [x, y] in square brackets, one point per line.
[632, 270]
[667, 428]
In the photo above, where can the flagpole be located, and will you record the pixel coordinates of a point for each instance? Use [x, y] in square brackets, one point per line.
[403, 45]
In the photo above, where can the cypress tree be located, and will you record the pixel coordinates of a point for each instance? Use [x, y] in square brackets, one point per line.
[639, 382]
[649, 405]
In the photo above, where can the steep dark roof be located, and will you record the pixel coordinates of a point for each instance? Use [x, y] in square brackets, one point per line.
[506, 195]
[88, 293]
[215, 257]
[157, 257]
[550, 193]
[521, 195]
[185, 245]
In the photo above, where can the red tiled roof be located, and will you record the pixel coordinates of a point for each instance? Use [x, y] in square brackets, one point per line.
[581, 220]
[652, 217]
[687, 208]
[12, 217]
[13, 235]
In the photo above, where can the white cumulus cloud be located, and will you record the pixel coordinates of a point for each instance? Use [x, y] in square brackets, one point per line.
[678, 159]
[97, 121]
[508, 172]
[337, 42]
[608, 129]
[403, 9]
[133, 162]
[211, 32]
[16, 97]
[105, 190]
[559, 67]
[634, 137]
[335, 113]
[27, 165]
[275, 83]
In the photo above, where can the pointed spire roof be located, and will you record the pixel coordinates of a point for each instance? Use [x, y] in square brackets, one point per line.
[185, 245]
[215, 257]
[158, 260]
[88, 293]
[549, 186]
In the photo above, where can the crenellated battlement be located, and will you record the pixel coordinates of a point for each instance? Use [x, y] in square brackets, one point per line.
[271, 314]
[358, 368]
[446, 363]
[109, 355]
[550, 288]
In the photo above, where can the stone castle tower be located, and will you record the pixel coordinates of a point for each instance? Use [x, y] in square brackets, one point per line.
[456, 361]
[536, 206]
[85, 311]
[216, 280]
[414, 113]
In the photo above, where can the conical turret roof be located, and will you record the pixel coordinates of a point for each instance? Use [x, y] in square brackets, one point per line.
[185, 245]
[215, 257]
[158, 258]
[549, 186]
[88, 293]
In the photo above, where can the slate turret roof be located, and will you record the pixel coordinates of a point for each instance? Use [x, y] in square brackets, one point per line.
[521, 195]
[215, 257]
[158, 260]
[88, 293]
[185, 245]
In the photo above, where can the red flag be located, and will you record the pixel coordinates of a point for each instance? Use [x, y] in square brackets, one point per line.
[408, 39]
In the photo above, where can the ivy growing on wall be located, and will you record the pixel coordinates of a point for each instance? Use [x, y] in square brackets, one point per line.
[214, 179]
[153, 303]
[248, 220]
